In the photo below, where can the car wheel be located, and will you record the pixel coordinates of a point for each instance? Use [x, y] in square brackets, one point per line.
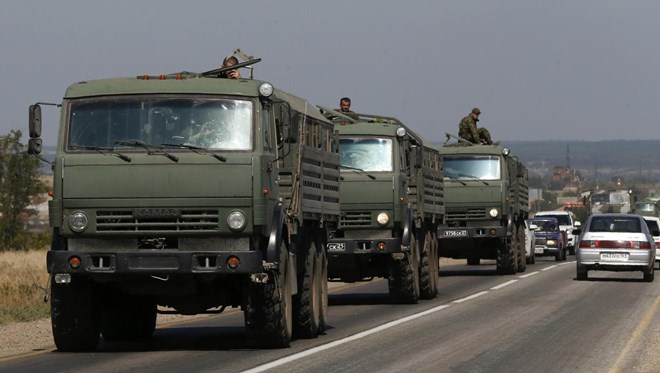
[650, 275]
[582, 273]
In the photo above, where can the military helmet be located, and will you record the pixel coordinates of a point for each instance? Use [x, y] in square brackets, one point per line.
[476, 111]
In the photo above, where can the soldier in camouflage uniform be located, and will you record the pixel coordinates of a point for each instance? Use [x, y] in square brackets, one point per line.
[467, 129]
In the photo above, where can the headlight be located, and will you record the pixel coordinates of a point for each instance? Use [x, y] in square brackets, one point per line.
[552, 242]
[506, 151]
[78, 221]
[493, 213]
[236, 221]
[383, 218]
[266, 89]
[400, 132]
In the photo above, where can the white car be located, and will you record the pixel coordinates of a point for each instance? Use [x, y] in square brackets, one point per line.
[654, 227]
[530, 242]
[616, 242]
[566, 224]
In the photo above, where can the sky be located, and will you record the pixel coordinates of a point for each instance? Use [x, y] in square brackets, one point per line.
[537, 69]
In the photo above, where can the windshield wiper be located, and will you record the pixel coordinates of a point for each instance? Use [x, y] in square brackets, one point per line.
[149, 148]
[471, 177]
[102, 150]
[359, 170]
[198, 150]
[455, 179]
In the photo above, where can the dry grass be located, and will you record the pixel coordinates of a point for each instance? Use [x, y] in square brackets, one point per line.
[23, 282]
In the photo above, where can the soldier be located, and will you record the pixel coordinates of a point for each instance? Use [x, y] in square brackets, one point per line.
[345, 108]
[467, 129]
[231, 74]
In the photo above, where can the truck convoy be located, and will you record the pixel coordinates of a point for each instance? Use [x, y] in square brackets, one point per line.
[391, 206]
[188, 194]
[486, 204]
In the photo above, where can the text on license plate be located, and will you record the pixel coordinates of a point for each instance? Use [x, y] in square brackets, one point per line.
[456, 233]
[613, 256]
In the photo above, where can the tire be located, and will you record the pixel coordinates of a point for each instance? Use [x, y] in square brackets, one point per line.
[269, 308]
[581, 273]
[559, 257]
[323, 265]
[307, 302]
[74, 316]
[427, 289]
[650, 275]
[506, 262]
[403, 278]
[127, 318]
[435, 266]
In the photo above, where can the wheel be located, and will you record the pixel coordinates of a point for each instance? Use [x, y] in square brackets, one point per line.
[403, 279]
[269, 308]
[581, 273]
[533, 254]
[559, 257]
[506, 261]
[323, 265]
[127, 318]
[650, 275]
[427, 289]
[74, 315]
[307, 302]
[435, 266]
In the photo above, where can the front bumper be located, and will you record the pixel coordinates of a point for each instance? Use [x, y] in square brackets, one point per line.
[341, 246]
[546, 250]
[471, 232]
[154, 261]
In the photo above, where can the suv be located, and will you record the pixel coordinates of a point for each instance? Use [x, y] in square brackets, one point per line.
[550, 239]
[566, 223]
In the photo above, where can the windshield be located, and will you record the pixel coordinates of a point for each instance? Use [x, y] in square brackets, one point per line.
[545, 225]
[472, 167]
[368, 154]
[204, 122]
[644, 206]
[600, 198]
[619, 198]
[563, 219]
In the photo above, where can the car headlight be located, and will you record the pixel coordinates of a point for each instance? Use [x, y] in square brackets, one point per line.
[493, 213]
[78, 221]
[236, 221]
[383, 218]
[266, 89]
[552, 242]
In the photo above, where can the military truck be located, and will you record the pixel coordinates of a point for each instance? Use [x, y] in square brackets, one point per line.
[486, 204]
[616, 200]
[186, 193]
[391, 194]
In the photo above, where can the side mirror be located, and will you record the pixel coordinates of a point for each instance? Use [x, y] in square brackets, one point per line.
[578, 224]
[35, 121]
[34, 146]
[577, 231]
[533, 227]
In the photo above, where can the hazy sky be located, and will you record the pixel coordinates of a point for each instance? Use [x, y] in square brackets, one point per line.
[538, 69]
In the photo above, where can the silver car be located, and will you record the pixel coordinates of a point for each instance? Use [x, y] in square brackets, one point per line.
[615, 242]
[653, 223]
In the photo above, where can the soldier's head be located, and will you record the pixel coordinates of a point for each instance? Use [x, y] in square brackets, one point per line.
[475, 113]
[345, 104]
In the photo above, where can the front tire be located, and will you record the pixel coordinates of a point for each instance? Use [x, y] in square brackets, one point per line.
[403, 279]
[269, 308]
[506, 262]
[74, 315]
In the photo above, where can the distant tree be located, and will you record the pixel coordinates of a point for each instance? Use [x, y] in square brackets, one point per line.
[19, 182]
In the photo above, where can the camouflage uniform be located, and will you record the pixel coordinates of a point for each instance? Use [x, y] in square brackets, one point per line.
[467, 129]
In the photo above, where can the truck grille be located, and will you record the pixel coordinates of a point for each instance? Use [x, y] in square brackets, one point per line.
[541, 241]
[182, 221]
[470, 214]
[354, 219]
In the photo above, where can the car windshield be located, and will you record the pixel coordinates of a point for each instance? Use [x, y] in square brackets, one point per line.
[210, 123]
[561, 218]
[615, 224]
[367, 154]
[645, 206]
[546, 225]
[472, 167]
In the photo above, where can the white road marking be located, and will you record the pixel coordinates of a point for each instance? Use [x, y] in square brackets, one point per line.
[548, 268]
[470, 297]
[564, 263]
[529, 274]
[339, 342]
[503, 285]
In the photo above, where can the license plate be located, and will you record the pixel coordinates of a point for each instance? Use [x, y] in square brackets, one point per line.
[538, 251]
[456, 233]
[613, 257]
[336, 247]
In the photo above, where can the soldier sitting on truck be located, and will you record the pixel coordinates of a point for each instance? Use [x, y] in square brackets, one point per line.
[467, 129]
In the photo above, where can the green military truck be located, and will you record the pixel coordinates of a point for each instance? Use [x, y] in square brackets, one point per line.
[186, 193]
[486, 204]
[391, 198]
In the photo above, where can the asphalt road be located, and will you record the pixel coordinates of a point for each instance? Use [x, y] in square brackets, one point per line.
[542, 320]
